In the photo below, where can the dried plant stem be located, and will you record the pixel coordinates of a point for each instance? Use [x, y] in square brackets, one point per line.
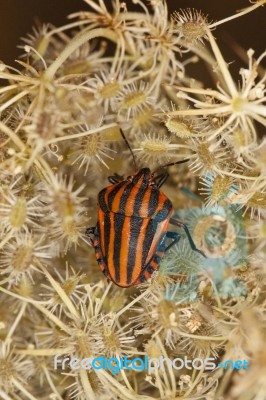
[201, 51]
[17, 296]
[44, 352]
[244, 177]
[220, 310]
[208, 338]
[18, 385]
[7, 88]
[52, 317]
[44, 167]
[4, 396]
[19, 78]
[86, 384]
[203, 92]
[16, 322]
[41, 308]
[119, 389]
[211, 111]
[125, 378]
[27, 114]
[61, 293]
[66, 27]
[159, 384]
[222, 65]
[99, 305]
[75, 43]
[14, 99]
[195, 382]
[51, 384]
[13, 136]
[239, 13]
[82, 134]
[143, 294]
[170, 370]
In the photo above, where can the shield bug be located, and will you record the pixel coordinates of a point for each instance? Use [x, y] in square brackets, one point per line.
[132, 226]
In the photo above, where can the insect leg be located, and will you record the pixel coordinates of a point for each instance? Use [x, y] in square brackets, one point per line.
[172, 235]
[112, 179]
[115, 178]
[160, 179]
[191, 241]
[90, 232]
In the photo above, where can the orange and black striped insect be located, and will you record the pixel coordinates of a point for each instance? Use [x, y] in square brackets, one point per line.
[132, 226]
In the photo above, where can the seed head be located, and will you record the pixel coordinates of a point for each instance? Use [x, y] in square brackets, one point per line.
[65, 212]
[207, 157]
[38, 40]
[91, 150]
[112, 340]
[19, 256]
[135, 97]
[191, 25]
[155, 148]
[218, 188]
[13, 368]
[180, 127]
[152, 349]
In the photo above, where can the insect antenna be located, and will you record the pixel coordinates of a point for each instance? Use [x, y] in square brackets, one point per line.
[170, 164]
[133, 156]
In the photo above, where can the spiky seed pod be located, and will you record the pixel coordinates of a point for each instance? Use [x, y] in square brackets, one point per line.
[191, 24]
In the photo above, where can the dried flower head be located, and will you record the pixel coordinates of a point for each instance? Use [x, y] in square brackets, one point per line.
[218, 188]
[156, 149]
[19, 255]
[14, 370]
[91, 150]
[191, 25]
[65, 212]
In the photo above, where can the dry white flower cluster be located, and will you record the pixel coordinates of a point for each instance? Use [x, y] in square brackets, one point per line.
[61, 114]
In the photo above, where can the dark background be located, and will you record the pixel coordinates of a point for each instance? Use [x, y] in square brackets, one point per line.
[17, 18]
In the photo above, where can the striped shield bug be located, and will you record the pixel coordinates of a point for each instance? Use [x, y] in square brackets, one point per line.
[132, 226]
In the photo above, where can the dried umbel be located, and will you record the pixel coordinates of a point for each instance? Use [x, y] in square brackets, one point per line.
[75, 87]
